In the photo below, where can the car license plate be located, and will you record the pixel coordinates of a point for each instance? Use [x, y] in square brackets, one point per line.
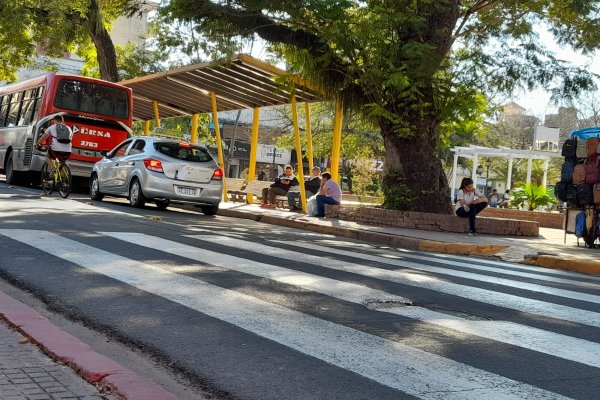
[186, 191]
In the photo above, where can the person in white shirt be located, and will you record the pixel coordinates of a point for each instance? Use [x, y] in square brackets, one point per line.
[329, 193]
[470, 202]
[505, 199]
[62, 151]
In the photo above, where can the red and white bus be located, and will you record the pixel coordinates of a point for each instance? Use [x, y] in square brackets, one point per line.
[99, 112]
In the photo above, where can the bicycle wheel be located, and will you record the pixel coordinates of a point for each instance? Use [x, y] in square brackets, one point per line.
[64, 180]
[47, 180]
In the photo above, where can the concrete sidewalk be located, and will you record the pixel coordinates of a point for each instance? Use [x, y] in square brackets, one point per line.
[551, 249]
[39, 361]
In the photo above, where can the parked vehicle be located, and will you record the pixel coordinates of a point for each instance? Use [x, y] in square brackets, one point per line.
[160, 170]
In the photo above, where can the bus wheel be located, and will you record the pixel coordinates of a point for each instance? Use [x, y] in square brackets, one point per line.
[12, 177]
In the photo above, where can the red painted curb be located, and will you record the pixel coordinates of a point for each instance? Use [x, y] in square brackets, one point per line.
[93, 367]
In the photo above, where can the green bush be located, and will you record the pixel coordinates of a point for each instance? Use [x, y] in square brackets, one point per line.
[531, 196]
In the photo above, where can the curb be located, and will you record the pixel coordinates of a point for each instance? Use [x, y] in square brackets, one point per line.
[96, 369]
[381, 238]
[554, 262]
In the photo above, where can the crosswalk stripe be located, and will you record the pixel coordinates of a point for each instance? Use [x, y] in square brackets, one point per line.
[532, 306]
[504, 265]
[476, 265]
[393, 364]
[569, 294]
[551, 343]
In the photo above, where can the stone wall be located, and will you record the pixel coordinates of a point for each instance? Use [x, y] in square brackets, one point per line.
[546, 219]
[432, 222]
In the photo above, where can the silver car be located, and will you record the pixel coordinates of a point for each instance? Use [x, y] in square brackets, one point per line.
[160, 170]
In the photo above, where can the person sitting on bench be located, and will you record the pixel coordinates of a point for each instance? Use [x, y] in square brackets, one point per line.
[280, 187]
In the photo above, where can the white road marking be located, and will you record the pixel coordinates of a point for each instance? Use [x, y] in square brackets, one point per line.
[569, 294]
[473, 264]
[393, 364]
[514, 266]
[551, 343]
[428, 282]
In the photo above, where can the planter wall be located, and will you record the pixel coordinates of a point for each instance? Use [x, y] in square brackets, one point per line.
[433, 222]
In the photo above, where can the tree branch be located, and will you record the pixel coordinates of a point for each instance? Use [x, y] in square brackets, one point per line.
[249, 21]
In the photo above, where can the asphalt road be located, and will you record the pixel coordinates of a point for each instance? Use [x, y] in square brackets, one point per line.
[244, 310]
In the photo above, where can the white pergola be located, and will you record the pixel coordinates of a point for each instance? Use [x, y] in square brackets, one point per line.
[474, 152]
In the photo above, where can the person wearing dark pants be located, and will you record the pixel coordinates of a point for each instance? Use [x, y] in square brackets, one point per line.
[329, 193]
[470, 202]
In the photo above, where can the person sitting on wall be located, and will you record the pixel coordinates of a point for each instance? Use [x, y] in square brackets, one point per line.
[470, 203]
[494, 198]
[329, 193]
[505, 199]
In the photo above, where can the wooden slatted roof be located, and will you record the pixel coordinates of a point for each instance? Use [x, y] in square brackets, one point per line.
[242, 82]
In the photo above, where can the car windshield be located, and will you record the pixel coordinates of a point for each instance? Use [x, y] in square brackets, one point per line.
[183, 151]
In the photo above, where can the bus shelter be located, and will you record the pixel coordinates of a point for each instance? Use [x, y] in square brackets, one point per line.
[475, 152]
[238, 83]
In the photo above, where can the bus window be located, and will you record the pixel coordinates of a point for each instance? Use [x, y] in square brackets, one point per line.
[92, 98]
[38, 102]
[27, 107]
[13, 109]
[4, 109]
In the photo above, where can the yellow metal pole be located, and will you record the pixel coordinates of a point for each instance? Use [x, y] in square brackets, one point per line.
[309, 149]
[194, 128]
[156, 116]
[337, 142]
[219, 145]
[298, 152]
[253, 149]
[146, 127]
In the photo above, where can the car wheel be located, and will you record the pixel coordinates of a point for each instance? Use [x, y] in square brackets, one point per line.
[95, 193]
[162, 205]
[210, 210]
[136, 197]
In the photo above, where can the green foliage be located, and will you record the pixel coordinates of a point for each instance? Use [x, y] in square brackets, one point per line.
[134, 61]
[362, 176]
[359, 137]
[414, 69]
[179, 127]
[531, 196]
[56, 27]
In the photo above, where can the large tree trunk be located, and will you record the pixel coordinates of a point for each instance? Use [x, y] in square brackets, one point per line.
[105, 48]
[414, 178]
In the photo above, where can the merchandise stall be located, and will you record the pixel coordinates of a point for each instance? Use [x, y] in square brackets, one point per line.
[579, 184]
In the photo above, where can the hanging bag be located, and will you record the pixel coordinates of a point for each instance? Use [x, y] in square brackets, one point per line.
[569, 148]
[591, 171]
[581, 151]
[566, 171]
[578, 174]
[592, 148]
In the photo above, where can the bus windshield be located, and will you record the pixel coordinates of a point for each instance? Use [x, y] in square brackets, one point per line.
[92, 98]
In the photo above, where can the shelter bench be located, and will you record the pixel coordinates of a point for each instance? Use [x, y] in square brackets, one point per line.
[235, 189]
[238, 190]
